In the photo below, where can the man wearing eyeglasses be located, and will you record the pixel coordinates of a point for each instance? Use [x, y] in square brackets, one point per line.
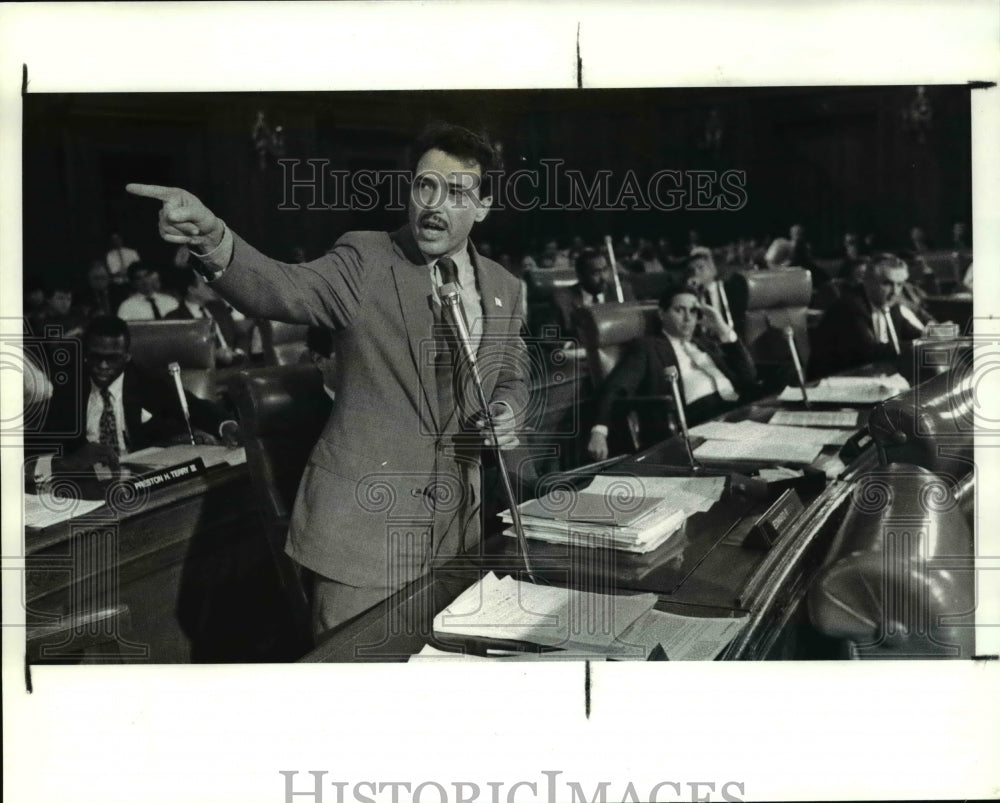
[716, 371]
[116, 408]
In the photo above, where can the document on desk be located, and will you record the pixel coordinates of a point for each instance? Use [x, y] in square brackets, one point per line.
[842, 419]
[758, 451]
[683, 638]
[165, 456]
[45, 509]
[850, 390]
[754, 430]
[512, 610]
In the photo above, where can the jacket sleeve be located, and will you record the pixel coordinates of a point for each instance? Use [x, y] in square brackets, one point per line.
[743, 372]
[625, 380]
[325, 292]
[512, 373]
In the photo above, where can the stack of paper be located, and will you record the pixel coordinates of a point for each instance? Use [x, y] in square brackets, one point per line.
[850, 389]
[634, 514]
[579, 623]
[44, 509]
[844, 419]
[755, 431]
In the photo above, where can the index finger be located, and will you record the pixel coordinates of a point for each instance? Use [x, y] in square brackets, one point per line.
[151, 191]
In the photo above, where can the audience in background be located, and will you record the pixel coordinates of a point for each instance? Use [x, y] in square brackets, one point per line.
[100, 296]
[319, 351]
[146, 303]
[200, 301]
[595, 285]
[59, 312]
[118, 258]
[868, 323]
[702, 277]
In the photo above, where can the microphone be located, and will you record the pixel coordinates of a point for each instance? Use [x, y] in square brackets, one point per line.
[672, 376]
[454, 314]
[614, 269]
[175, 371]
[790, 339]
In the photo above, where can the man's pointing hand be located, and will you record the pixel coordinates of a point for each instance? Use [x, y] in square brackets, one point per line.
[184, 219]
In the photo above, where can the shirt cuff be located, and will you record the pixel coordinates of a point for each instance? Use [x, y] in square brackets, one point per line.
[599, 429]
[227, 421]
[729, 336]
[215, 262]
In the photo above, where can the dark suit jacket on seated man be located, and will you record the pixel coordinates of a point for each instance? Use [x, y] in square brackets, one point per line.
[595, 286]
[117, 409]
[716, 371]
[392, 486]
[868, 323]
[200, 301]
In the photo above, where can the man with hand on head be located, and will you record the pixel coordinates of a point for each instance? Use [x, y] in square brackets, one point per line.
[118, 409]
[716, 371]
[868, 323]
[392, 485]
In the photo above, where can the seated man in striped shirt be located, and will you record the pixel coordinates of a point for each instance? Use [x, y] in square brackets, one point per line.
[716, 371]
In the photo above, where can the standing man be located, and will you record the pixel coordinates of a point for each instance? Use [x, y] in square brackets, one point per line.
[392, 485]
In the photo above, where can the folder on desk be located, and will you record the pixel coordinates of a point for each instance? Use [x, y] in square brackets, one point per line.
[850, 390]
[634, 514]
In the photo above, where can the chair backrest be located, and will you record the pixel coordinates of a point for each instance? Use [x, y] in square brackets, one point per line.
[540, 284]
[931, 425]
[879, 590]
[282, 343]
[156, 344]
[608, 327]
[650, 286]
[282, 412]
[763, 303]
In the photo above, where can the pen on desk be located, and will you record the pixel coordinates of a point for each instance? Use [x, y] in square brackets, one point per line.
[175, 371]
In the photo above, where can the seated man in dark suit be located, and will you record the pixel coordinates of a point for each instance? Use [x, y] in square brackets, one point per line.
[703, 278]
[117, 409]
[595, 286]
[200, 301]
[716, 371]
[868, 323]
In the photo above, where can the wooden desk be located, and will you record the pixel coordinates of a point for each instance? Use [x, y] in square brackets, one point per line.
[705, 569]
[189, 562]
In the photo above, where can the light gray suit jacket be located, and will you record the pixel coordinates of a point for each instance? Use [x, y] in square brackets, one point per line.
[390, 487]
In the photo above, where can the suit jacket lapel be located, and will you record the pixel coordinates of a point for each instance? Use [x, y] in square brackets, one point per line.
[667, 356]
[412, 282]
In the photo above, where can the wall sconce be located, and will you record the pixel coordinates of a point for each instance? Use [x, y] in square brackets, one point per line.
[267, 142]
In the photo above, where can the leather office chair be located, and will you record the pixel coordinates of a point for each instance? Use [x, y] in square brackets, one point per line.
[605, 330]
[282, 343]
[156, 344]
[541, 283]
[282, 411]
[763, 303]
[931, 425]
[650, 286]
[897, 586]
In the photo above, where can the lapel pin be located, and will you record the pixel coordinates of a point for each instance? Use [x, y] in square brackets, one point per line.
[497, 301]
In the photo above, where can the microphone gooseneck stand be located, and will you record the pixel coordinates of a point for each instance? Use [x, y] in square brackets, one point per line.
[175, 371]
[672, 375]
[790, 340]
[451, 308]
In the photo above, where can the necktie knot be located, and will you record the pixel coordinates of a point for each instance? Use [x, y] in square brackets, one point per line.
[105, 395]
[448, 270]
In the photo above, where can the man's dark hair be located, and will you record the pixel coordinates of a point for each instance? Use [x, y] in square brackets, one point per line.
[107, 326]
[585, 257]
[675, 288]
[139, 267]
[320, 340]
[464, 145]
